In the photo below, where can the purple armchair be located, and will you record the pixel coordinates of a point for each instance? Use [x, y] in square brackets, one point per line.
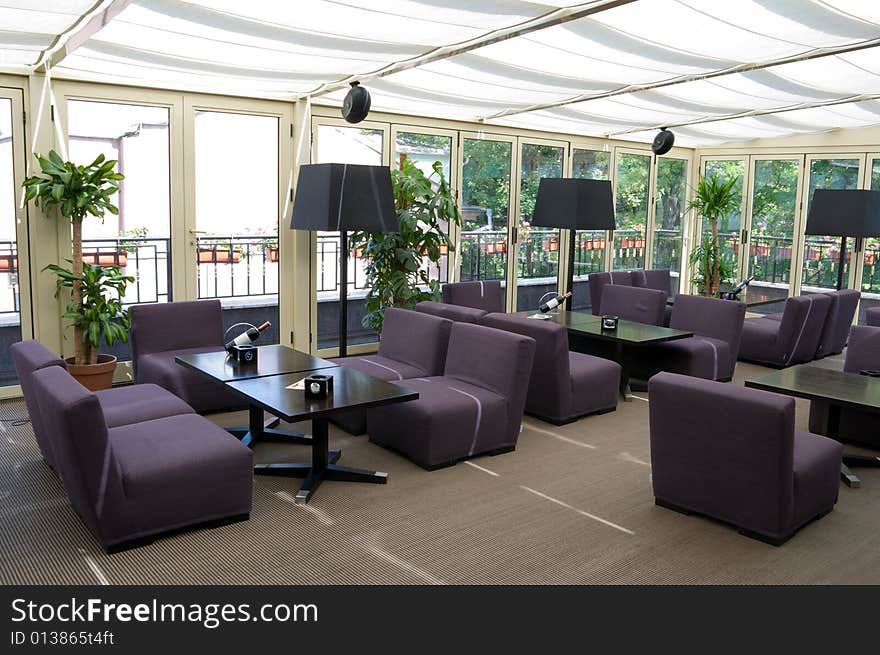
[856, 426]
[753, 469]
[487, 295]
[872, 316]
[791, 339]
[121, 405]
[653, 278]
[711, 353]
[564, 385]
[413, 345]
[634, 304]
[456, 313]
[475, 407]
[838, 322]
[598, 281]
[134, 481]
[162, 331]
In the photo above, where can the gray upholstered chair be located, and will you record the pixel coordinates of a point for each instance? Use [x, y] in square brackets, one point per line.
[162, 331]
[121, 405]
[872, 316]
[634, 304]
[135, 481]
[564, 385]
[475, 407]
[456, 313]
[792, 338]
[487, 295]
[856, 426]
[838, 322]
[711, 353]
[752, 469]
[413, 345]
[598, 281]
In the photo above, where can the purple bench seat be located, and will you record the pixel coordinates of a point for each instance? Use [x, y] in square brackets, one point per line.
[793, 339]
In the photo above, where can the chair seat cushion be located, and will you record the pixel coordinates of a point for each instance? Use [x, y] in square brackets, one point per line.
[759, 339]
[595, 383]
[184, 453]
[139, 402]
[384, 368]
[816, 475]
[697, 356]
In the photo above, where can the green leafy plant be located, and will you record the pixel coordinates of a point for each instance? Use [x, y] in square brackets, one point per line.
[394, 260]
[101, 313]
[713, 198]
[704, 258]
[75, 191]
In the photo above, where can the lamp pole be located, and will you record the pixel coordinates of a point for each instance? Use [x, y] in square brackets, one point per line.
[571, 245]
[343, 293]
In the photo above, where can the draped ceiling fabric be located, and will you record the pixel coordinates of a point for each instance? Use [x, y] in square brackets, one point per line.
[545, 80]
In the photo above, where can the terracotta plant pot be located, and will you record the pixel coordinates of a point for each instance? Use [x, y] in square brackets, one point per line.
[94, 377]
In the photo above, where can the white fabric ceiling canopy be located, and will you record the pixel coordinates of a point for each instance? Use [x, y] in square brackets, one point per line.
[704, 62]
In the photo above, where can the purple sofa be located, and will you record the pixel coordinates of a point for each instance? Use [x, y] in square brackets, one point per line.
[413, 345]
[598, 281]
[162, 331]
[487, 295]
[711, 353]
[872, 316]
[456, 313]
[790, 339]
[121, 405]
[653, 278]
[475, 407]
[135, 481]
[564, 385]
[752, 469]
[838, 322]
[856, 426]
[634, 304]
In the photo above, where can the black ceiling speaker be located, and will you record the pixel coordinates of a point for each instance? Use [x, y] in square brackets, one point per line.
[663, 142]
[356, 105]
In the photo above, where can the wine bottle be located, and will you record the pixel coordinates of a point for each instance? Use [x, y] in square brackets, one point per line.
[553, 303]
[247, 337]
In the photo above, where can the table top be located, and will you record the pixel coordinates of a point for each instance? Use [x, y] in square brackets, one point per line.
[819, 383]
[271, 360]
[752, 298]
[351, 389]
[627, 331]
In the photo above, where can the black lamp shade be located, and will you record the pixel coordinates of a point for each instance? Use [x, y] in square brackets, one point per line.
[844, 213]
[574, 204]
[335, 197]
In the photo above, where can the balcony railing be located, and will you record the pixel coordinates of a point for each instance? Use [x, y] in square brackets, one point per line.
[144, 258]
[237, 266]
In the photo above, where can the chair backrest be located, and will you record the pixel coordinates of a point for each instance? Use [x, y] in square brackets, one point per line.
[634, 304]
[598, 281]
[838, 322]
[487, 295]
[29, 357]
[456, 313]
[163, 327]
[653, 278]
[863, 351]
[710, 317]
[801, 327]
[416, 339]
[495, 360]
[741, 468]
[872, 316]
[550, 382]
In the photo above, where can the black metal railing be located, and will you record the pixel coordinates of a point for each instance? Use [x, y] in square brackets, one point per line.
[237, 266]
[483, 254]
[629, 249]
[146, 259]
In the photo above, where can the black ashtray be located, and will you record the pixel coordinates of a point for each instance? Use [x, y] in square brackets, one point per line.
[871, 373]
[244, 355]
[609, 322]
[318, 386]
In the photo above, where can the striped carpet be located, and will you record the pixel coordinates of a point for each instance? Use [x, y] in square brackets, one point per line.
[573, 504]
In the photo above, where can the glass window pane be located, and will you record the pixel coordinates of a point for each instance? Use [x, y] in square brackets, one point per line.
[10, 309]
[344, 145]
[237, 216]
[538, 257]
[669, 210]
[871, 268]
[485, 210]
[139, 238]
[730, 226]
[589, 247]
[633, 174]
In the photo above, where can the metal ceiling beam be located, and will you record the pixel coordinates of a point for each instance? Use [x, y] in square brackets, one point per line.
[741, 68]
[85, 27]
[556, 17]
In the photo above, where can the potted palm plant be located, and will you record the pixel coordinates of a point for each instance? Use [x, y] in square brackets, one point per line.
[713, 198]
[96, 291]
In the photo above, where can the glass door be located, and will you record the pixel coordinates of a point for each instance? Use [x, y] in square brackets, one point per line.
[670, 200]
[774, 201]
[589, 246]
[537, 248]
[632, 181]
[870, 283]
[731, 230]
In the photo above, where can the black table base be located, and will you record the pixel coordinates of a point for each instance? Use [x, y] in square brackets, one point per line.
[832, 430]
[322, 467]
[258, 430]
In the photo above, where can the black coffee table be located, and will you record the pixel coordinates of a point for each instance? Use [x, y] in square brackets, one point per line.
[626, 339]
[271, 360]
[351, 390]
[835, 389]
[749, 298]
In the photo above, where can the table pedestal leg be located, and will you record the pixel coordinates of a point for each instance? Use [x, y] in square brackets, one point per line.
[623, 358]
[258, 430]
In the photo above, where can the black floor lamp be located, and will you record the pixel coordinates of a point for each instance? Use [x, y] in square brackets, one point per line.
[574, 204]
[844, 213]
[343, 197]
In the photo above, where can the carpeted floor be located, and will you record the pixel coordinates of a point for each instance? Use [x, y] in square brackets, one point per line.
[572, 504]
